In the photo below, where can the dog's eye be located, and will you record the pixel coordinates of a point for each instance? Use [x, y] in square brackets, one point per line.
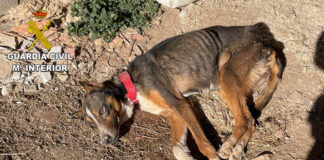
[102, 110]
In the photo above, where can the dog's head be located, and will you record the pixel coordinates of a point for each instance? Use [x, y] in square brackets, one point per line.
[103, 107]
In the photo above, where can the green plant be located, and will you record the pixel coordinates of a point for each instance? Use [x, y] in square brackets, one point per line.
[104, 18]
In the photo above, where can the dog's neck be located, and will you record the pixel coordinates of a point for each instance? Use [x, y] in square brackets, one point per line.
[127, 105]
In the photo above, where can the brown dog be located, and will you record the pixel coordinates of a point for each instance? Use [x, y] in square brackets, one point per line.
[236, 61]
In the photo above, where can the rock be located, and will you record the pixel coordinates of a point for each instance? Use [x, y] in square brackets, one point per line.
[8, 41]
[46, 76]
[279, 134]
[99, 49]
[23, 28]
[4, 91]
[98, 45]
[5, 70]
[25, 44]
[130, 31]
[115, 62]
[118, 42]
[30, 88]
[295, 97]
[70, 18]
[30, 78]
[64, 38]
[81, 65]
[131, 58]
[62, 77]
[56, 49]
[137, 50]
[263, 157]
[137, 37]
[175, 3]
[183, 14]
[98, 42]
[71, 51]
[15, 76]
[6, 5]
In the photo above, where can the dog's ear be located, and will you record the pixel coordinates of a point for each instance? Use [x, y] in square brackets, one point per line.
[91, 86]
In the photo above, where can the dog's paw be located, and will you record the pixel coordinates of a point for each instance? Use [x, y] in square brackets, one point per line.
[217, 158]
[238, 152]
[225, 151]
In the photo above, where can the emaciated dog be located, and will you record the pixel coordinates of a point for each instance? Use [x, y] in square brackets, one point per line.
[236, 61]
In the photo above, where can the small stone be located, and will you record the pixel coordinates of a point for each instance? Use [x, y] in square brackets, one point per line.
[131, 31]
[30, 78]
[157, 22]
[279, 134]
[99, 49]
[138, 138]
[81, 65]
[131, 58]
[263, 157]
[25, 44]
[137, 37]
[71, 51]
[126, 42]
[4, 91]
[295, 97]
[64, 38]
[115, 62]
[56, 49]
[118, 42]
[15, 76]
[46, 76]
[62, 77]
[30, 88]
[5, 70]
[8, 41]
[98, 45]
[183, 14]
[137, 50]
[98, 42]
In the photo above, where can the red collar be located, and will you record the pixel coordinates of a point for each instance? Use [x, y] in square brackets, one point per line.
[131, 90]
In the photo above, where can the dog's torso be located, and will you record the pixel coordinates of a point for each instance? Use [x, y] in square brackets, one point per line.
[188, 64]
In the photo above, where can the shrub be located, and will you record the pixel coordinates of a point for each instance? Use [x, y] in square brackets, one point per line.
[104, 18]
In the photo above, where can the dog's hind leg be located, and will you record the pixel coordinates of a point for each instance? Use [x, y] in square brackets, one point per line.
[232, 92]
[179, 138]
[262, 100]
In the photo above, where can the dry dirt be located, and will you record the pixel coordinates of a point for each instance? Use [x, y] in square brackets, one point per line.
[40, 125]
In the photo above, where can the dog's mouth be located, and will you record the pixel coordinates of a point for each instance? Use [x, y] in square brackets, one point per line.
[109, 140]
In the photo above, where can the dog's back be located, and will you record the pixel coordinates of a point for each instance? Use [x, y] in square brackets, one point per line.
[190, 63]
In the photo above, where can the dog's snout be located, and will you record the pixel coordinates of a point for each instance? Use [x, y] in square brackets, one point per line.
[109, 139]
[106, 139]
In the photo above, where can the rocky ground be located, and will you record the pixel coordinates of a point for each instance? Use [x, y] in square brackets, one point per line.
[36, 108]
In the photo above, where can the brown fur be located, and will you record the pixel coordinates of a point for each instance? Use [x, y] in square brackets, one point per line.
[236, 60]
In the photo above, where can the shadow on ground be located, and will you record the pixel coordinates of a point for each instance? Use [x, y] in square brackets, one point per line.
[316, 116]
[208, 128]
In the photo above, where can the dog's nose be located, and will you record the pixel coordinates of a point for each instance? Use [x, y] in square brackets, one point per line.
[108, 140]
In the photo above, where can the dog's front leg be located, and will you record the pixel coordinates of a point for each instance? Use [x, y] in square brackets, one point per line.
[185, 111]
[179, 138]
[128, 109]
